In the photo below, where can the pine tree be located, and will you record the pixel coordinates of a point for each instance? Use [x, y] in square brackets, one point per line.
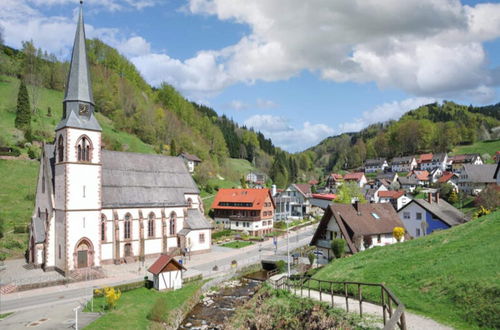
[173, 149]
[23, 113]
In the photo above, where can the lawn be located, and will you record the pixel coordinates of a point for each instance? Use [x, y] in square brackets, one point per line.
[481, 147]
[452, 276]
[133, 307]
[237, 244]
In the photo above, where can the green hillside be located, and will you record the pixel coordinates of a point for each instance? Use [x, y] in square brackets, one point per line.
[489, 147]
[452, 276]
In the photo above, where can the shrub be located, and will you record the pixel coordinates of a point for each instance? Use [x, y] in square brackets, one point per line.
[338, 247]
[111, 296]
[281, 265]
[311, 257]
[398, 233]
[33, 152]
[158, 312]
[489, 198]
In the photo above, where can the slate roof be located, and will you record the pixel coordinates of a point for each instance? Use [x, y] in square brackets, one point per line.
[439, 157]
[387, 176]
[375, 162]
[479, 173]
[402, 160]
[196, 220]
[190, 157]
[139, 180]
[161, 263]
[465, 158]
[442, 210]
[407, 181]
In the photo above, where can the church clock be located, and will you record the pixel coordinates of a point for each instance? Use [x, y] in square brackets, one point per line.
[84, 109]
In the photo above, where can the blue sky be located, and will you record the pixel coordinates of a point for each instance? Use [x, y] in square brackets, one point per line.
[298, 71]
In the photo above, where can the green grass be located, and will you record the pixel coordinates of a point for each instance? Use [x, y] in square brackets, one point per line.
[2, 316]
[481, 147]
[452, 276]
[237, 244]
[241, 166]
[133, 307]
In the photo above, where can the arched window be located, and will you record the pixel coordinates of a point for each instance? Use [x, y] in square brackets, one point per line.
[83, 149]
[151, 225]
[103, 227]
[60, 148]
[127, 226]
[190, 203]
[173, 218]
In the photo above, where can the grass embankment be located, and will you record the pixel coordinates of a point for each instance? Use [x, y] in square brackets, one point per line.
[452, 276]
[280, 309]
[134, 306]
[481, 147]
[237, 244]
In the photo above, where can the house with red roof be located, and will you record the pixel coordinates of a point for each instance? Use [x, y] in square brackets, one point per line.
[333, 181]
[293, 202]
[450, 178]
[322, 200]
[421, 177]
[424, 161]
[250, 210]
[358, 177]
[167, 273]
[397, 198]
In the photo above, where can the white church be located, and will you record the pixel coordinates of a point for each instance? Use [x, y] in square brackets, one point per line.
[96, 207]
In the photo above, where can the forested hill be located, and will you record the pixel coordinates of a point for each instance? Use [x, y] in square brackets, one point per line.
[161, 118]
[430, 128]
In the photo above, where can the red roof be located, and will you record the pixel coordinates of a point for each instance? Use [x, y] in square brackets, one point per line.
[336, 177]
[420, 175]
[354, 176]
[305, 188]
[161, 264]
[313, 182]
[256, 197]
[424, 158]
[328, 197]
[446, 177]
[395, 194]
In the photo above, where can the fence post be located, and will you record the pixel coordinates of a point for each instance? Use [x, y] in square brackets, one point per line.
[390, 305]
[383, 304]
[360, 297]
[319, 286]
[403, 321]
[331, 291]
[346, 298]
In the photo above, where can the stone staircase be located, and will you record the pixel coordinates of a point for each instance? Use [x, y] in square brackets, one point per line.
[8, 288]
[86, 274]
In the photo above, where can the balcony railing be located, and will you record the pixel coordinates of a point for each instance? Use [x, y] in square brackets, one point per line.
[244, 218]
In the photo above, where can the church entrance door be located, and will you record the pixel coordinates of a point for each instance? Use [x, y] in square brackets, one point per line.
[83, 256]
[128, 250]
[82, 259]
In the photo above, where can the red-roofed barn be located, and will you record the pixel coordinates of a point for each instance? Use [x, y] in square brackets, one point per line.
[167, 273]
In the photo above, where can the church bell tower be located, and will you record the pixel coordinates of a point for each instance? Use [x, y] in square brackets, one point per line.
[78, 167]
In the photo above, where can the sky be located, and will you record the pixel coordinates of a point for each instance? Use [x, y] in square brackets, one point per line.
[298, 71]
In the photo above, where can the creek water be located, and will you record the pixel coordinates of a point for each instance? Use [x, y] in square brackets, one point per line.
[219, 305]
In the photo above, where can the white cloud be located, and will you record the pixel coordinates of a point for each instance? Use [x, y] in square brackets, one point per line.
[387, 111]
[265, 104]
[135, 46]
[286, 136]
[236, 105]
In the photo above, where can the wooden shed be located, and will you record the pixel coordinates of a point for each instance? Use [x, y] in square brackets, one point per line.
[167, 273]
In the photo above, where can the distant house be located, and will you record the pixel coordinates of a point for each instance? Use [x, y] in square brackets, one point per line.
[250, 210]
[421, 217]
[375, 165]
[334, 180]
[386, 178]
[424, 161]
[191, 161]
[459, 161]
[293, 202]
[358, 177]
[403, 164]
[435, 174]
[358, 224]
[439, 160]
[450, 178]
[474, 178]
[408, 183]
[256, 179]
[371, 192]
[421, 177]
[396, 198]
[322, 200]
[167, 273]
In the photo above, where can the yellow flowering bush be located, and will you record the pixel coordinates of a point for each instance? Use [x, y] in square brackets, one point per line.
[398, 233]
[112, 296]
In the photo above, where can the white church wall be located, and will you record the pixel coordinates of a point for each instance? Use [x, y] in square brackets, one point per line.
[84, 187]
[194, 198]
[196, 245]
[83, 224]
[153, 246]
[73, 137]
[106, 251]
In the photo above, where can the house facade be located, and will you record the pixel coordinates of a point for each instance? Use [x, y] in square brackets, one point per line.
[450, 178]
[96, 207]
[403, 164]
[474, 178]
[375, 165]
[258, 179]
[167, 273]
[362, 226]
[397, 198]
[420, 177]
[358, 178]
[294, 202]
[422, 217]
[333, 181]
[191, 161]
[250, 210]
[458, 161]
[430, 162]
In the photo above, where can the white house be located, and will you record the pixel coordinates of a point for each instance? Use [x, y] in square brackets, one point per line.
[421, 217]
[429, 163]
[358, 178]
[167, 273]
[294, 202]
[397, 198]
[408, 183]
[474, 178]
[403, 164]
[95, 206]
[362, 226]
[458, 161]
[191, 161]
[449, 178]
[375, 165]
[372, 192]
[435, 174]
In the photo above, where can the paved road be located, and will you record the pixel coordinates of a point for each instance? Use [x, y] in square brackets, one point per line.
[222, 257]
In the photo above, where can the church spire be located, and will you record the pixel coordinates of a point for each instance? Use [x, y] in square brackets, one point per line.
[78, 101]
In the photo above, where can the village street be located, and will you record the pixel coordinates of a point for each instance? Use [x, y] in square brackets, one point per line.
[67, 297]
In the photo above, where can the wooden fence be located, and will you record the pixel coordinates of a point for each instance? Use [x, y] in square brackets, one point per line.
[393, 310]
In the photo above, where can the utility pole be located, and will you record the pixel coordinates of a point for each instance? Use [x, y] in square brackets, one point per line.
[76, 317]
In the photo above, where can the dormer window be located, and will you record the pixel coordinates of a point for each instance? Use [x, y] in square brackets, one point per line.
[83, 149]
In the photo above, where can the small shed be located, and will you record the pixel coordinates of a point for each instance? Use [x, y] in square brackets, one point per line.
[167, 273]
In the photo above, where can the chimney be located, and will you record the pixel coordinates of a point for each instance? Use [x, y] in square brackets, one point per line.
[437, 197]
[273, 190]
[356, 207]
[429, 197]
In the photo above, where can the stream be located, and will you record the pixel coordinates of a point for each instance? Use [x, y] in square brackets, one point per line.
[219, 305]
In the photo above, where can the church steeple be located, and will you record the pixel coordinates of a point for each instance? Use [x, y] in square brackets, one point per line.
[78, 104]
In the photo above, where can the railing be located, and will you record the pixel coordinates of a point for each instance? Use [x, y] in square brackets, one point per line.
[244, 218]
[393, 310]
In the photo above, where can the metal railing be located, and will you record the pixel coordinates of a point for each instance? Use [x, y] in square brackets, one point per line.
[393, 310]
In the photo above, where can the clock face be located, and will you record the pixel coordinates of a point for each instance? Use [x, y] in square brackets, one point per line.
[84, 109]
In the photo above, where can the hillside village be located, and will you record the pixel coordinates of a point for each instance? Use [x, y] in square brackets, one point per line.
[149, 211]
